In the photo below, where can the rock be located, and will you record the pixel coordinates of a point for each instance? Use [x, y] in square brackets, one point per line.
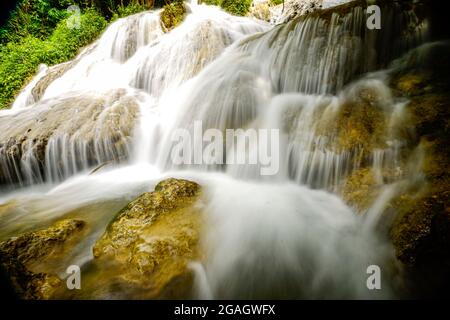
[260, 10]
[422, 224]
[411, 84]
[52, 73]
[359, 124]
[20, 258]
[172, 14]
[32, 246]
[152, 240]
[296, 8]
[31, 141]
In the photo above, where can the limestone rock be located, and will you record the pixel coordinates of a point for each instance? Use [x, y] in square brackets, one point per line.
[31, 141]
[152, 240]
[19, 255]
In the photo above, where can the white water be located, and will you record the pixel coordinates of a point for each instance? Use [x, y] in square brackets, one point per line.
[277, 238]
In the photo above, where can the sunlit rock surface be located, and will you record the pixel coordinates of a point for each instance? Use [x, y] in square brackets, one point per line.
[24, 258]
[147, 247]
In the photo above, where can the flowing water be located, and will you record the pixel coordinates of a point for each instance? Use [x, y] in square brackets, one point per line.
[117, 104]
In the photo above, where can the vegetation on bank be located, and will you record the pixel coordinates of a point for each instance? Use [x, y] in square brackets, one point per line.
[37, 32]
[173, 14]
[236, 7]
[276, 2]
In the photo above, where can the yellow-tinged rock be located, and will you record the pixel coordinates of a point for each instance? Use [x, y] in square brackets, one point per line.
[152, 240]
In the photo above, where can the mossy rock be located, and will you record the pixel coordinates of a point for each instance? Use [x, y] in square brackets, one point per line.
[173, 14]
[360, 189]
[26, 284]
[236, 7]
[23, 134]
[20, 257]
[358, 126]
[420, 232]
[149, 244]
[32, 246]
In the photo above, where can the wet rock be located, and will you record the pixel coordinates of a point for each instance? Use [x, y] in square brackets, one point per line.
[173, 14]
[421, 228]
[151, 242]
[32, 246]
[31, 142]
[26, 284]
[260, 10]
[20, 258]
[295, 8]
[411, 84]
[358, 126]
[360, 189]
[53, 73]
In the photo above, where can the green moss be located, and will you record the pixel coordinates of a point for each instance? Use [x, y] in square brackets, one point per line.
[151, 241]
[420, 232]
[236, 7]
[20, 257]
[32, 246]
[276, 2]
[173, 14]
[360, 189]
[359, 125]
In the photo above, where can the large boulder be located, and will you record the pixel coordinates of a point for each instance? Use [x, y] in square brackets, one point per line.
[147, 247]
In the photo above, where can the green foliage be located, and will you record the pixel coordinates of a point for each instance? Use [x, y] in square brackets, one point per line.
[173, 14]
[37, 32]
[34, 17]
[19, 60]
[123, 11]
[38, 18]
[212, 2]
[236, 7]
[276, 2]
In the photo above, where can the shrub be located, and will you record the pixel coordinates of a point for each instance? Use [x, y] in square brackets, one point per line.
[236, 7]
[173, 14]
[19, 60]
[212, 2]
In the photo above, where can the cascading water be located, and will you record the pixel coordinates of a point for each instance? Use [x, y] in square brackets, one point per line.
[121, 99]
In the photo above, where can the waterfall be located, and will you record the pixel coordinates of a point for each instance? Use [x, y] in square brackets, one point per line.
[128, 67]
[118, 103]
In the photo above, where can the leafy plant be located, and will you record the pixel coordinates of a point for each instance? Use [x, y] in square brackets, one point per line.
[236, 7]
[276, 2]
[173, 14]
[19, 61]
